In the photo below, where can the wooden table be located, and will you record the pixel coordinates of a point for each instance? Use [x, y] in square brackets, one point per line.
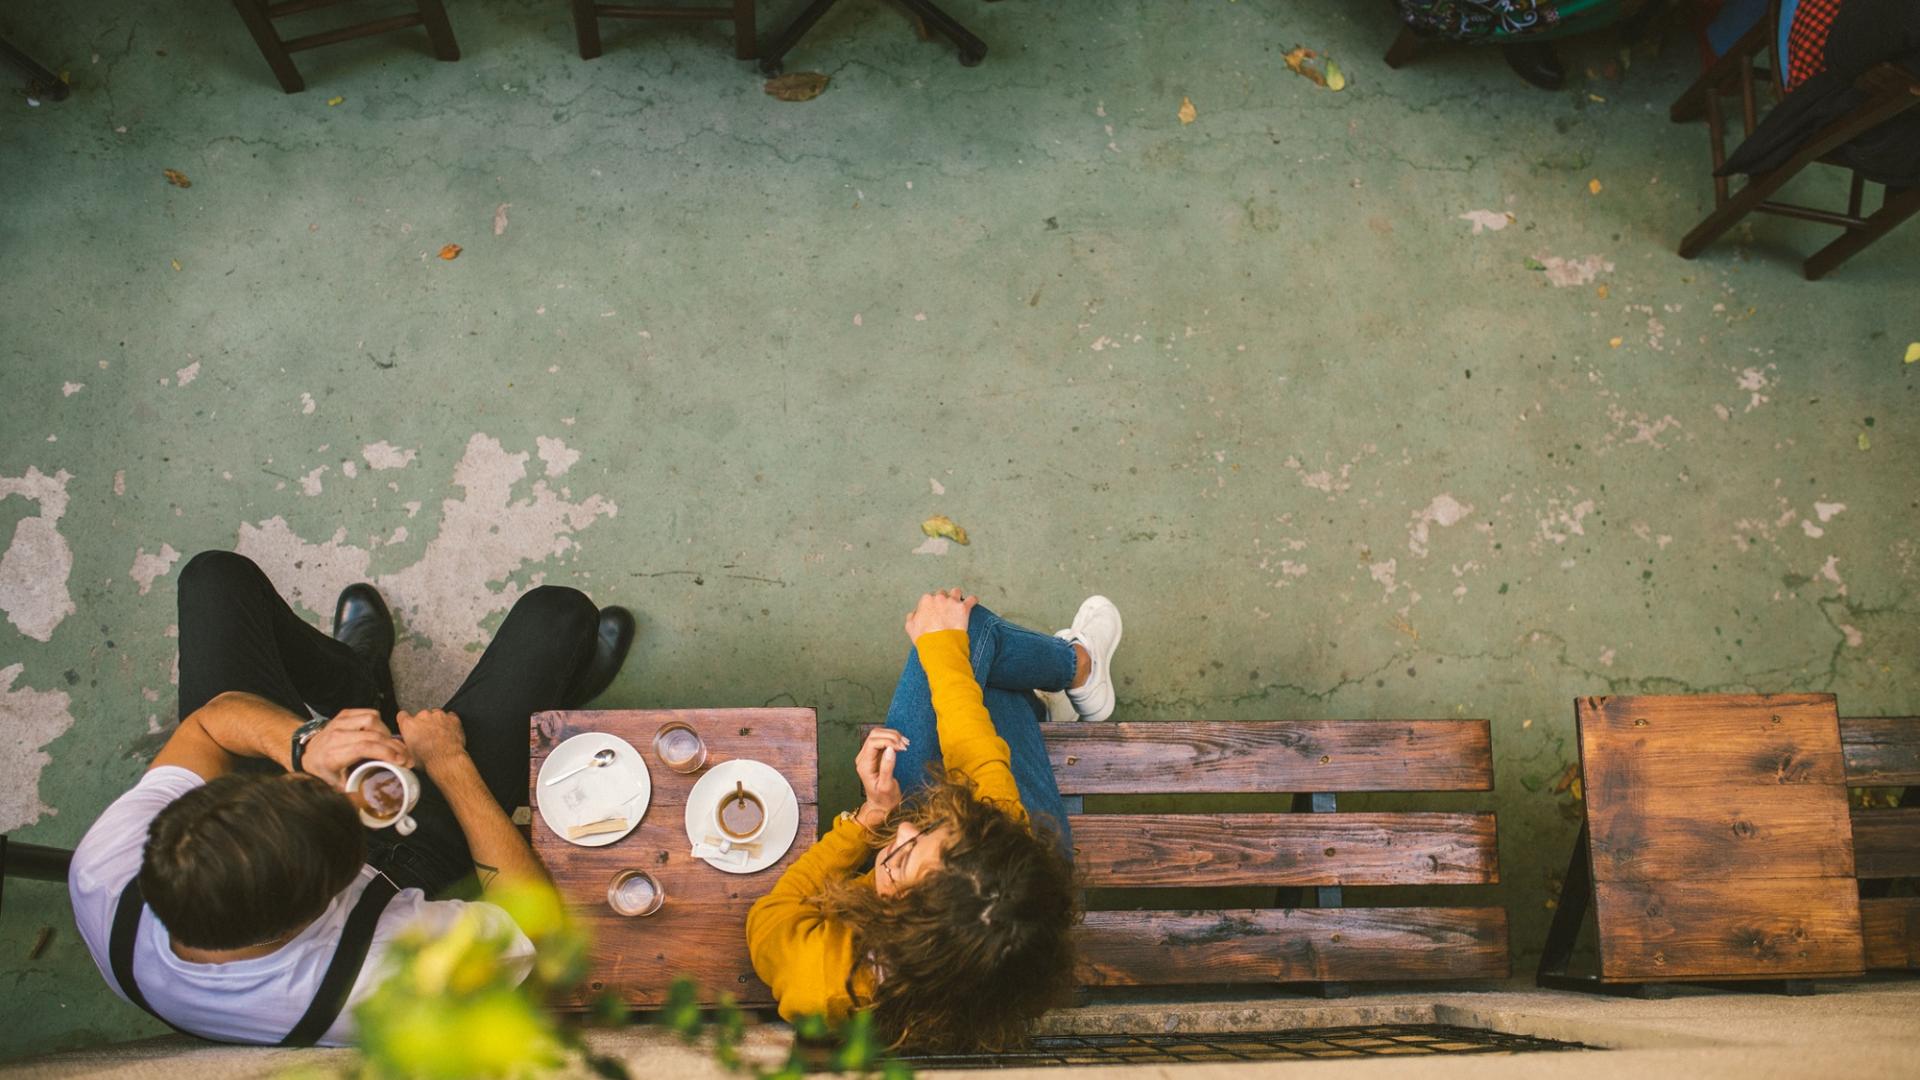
[701, 932]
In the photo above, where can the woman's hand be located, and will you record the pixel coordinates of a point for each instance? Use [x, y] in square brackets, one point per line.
[874, 763]
[947, 610]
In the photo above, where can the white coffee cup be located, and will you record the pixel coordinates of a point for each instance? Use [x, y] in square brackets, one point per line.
[401, 821]
[740, 824]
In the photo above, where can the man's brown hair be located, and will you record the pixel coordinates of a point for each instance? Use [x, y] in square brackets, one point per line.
[973, 953]
[244, 858]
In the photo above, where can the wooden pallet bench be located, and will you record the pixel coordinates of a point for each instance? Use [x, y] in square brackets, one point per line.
[1884, 751]
[1321, 850]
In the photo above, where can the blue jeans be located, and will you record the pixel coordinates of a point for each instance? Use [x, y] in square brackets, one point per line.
[1010, 663]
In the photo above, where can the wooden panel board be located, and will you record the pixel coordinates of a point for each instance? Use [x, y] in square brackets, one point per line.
[1281, 755]
[1707, 929]
[701, 930]
[1881, 751]
[1167, 948]
[1886, 843]
[1666, 833]
[1707, 740]
[1892, 926]
[1116, 850]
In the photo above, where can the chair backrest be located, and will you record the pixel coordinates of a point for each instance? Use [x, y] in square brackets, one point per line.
[1321, 850]
[1882, 752]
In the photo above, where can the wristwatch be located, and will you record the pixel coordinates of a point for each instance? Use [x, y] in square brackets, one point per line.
[301, 736]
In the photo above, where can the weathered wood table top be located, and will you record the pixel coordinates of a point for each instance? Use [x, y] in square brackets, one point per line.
[701, 931]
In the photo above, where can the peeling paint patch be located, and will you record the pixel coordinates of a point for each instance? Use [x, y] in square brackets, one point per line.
[1854, 637]
[500, 218]
[120, 482]
[1444, 511]
[1564, 273]
[1487, 220]
[1606, 657]
[29, 720]
[72, 388]
[556, 455]
[385, 455]
[187, 374]
[307, 404]
[1753, 381]
[933, 545]
[1825, 511]
[1807, 526]
[938, 487]
[1562, 521]
[348, 469]
[485, 538]
[146, 568]
[310, 483]
[1385, 573]
[35, 568]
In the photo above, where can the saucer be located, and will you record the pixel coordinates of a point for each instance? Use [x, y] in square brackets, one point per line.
[783, 811]
[620, 789]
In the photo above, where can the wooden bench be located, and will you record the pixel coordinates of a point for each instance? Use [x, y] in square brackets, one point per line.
[1323, 850]
[1884, 751]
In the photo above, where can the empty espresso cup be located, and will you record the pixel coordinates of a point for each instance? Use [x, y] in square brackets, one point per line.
[680, 747]
[384, 794]
[635, 892]
[741, 815]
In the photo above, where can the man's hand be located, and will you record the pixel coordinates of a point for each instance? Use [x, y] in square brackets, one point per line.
[434, 735]
[874, 763]
[351, 737]
[946, 610]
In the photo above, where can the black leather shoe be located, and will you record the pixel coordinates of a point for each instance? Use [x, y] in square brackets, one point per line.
[610, 645]
[362, 623]
[1537, 63]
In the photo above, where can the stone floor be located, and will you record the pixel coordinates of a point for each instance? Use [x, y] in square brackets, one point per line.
[1389, 402]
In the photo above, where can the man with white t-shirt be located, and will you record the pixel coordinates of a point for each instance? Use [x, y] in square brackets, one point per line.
[233, 892]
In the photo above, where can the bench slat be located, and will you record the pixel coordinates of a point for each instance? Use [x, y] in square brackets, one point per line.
[1132, 850]
[1886, 843]
[1736, 831]
[1168, 948]
[1634, 744]
[1881, 751]
[1786, 928]
[1273, 756]
[1892, 926]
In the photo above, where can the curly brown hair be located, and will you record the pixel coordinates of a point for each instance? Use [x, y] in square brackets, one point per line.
[973, 953]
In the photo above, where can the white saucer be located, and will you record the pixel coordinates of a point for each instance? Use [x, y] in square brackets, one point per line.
[622, 788]
[783, 811]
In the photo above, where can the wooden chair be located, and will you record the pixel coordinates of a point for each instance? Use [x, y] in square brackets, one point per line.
[1717, 846]
[259, 16]
[1884, 751]
[1324, 851]
[1890, 90]
[588, 13]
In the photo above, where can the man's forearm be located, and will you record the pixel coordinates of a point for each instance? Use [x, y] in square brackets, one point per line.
[249, 727]
[499, 852]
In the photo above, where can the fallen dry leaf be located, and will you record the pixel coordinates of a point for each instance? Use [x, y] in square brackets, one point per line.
[797, 85]
[1864, 442]
[1913, 353]
[1301, 62]
[176, 263]
[450, 252]
[1615, 342]
[1601, 292]
[1188, 114]
[176, 178]
[942, 525]
[335, 100]
[1593, 187]
[1336, 79]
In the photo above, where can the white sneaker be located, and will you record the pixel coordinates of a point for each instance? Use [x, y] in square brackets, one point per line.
[1097, 628]
[1059, 709]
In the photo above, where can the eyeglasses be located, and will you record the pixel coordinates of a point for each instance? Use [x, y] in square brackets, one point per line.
[888, 860]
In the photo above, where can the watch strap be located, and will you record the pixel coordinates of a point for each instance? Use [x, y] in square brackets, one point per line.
[301, 736]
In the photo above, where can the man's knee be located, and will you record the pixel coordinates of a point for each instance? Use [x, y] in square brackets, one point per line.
[559, 609]
[216, 570]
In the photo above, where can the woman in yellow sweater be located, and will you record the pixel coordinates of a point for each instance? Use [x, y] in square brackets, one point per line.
[958, 938]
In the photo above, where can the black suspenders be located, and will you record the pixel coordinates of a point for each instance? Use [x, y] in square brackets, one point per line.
[356, 938]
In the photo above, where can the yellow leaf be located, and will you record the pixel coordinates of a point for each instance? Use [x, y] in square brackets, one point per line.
[1913, 353]
[335, 100]
[176, 264]
[1336, 79]
[1602, 292]
[1865, 443]
[1187, 112]
[942, 525]
[1593, 187]
[1614, 342]
[176, 178]
[450, 252]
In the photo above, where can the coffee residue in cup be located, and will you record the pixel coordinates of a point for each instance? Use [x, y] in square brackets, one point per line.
[741, 813]
[384, 794]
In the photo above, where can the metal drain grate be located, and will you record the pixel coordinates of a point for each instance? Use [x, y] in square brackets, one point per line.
[1361, 1041]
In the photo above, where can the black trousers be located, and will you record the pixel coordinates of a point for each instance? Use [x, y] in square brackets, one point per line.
[236, 633]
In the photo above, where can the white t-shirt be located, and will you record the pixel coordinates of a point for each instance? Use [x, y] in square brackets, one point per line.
[247, 1001]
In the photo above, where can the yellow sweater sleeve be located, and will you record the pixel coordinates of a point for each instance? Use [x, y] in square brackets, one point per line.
[968, 742]
[805, 957]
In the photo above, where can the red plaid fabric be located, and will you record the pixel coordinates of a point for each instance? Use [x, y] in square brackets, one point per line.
[1807, 40]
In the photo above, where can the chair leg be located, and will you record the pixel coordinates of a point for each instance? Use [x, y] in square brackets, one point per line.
[586, 28]
[972, 49]
[1403, 49]
[1894, 209]
[746, 39]
[433, 15]
[254, 14]
[1692, 103]
[783, 42]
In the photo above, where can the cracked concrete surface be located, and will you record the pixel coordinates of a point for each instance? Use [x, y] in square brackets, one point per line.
[1337, 443]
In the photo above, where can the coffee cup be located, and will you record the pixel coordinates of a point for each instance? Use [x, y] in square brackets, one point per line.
[384, 794]
[741, 816]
